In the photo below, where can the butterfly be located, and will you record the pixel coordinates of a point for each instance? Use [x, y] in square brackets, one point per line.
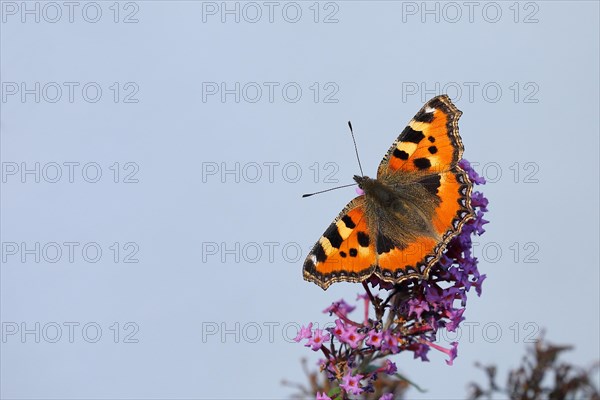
[399, 228]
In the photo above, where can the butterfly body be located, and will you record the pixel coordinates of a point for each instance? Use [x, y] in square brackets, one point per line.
[397, 209]
[402, 223]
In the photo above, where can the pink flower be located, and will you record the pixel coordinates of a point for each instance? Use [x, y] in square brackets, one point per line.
[390, 342]
[340, 308]
[417, 307]
[351, 384]
[451, 352]
[390, 367]
[352, 337]
[339, 329]
[375, 338]
[317, 340]
[322, 396]
[305, 333]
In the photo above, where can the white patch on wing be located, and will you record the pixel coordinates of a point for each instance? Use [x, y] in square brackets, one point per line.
[326, 244]
[343, 230]
[407, 147]
[364, 251]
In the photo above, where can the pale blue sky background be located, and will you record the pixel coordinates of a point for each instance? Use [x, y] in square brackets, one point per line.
[378, 61]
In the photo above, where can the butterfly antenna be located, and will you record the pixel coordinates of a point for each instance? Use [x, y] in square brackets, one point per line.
[359, 166]
[327, 190]
[355, 148]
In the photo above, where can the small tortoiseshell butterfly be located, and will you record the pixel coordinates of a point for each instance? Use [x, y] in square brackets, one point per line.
[399, 228]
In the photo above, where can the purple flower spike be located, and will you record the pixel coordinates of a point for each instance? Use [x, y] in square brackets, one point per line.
[402, 317]
[473, 175]
[478, 200]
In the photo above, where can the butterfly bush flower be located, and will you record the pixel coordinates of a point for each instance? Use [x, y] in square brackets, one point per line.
[352, 337]
[305, 333]
[390, 367]
[374, 338]
[407, 316]
[340, 308]
[351, 383]
[317, 340]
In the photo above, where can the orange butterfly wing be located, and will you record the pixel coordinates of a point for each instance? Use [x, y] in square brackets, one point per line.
[430, 145]
[430, 142]
[345, 252]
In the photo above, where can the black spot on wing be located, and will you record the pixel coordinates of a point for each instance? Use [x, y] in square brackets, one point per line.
[343, 254]
[333, 235]
[400, 154]
[422, 163]
[348, 221]
[423, 116]
[432, 149]
[384, 244]
[363, 239]
[353, 252]
[432, 183]
[410, 135]
[431, 139]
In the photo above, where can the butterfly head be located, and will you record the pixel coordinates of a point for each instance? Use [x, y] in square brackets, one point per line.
[364, 182]
[376, 190]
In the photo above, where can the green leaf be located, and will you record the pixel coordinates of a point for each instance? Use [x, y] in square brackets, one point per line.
[410, 382]
[370, 368]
